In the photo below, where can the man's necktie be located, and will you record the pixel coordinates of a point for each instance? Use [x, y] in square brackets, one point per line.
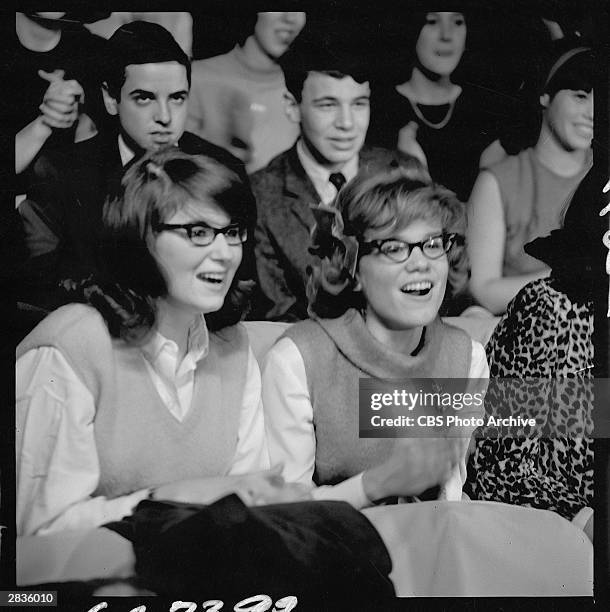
[337, 180]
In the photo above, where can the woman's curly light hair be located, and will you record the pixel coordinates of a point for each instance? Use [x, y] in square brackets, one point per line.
[385, 203]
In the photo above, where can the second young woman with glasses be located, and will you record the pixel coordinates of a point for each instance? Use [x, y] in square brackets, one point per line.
[386, 257]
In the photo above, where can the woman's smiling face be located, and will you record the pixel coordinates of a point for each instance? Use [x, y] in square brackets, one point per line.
[569, 116]
[198, 278]
[441, 42]
[407, 295]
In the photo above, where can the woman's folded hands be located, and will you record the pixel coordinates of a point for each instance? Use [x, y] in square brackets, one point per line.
[255, 489]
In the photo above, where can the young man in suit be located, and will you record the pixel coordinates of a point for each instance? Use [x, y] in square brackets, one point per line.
[146, 88]
[328, 97]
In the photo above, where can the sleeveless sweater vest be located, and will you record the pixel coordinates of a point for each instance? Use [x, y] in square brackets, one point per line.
[139, 443]
[533, 198]
[336, 353]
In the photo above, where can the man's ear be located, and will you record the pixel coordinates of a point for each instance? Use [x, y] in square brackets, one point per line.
[292, 108]
[109, 102]
[545, 100]
[358, 285]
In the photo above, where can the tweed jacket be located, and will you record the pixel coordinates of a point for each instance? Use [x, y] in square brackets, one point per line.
[284, 194]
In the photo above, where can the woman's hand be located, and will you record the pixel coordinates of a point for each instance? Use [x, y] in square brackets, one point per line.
[255, 489]
[407, 143]
[416, 464]
[59, 110]
[59, 106]
[269, 487]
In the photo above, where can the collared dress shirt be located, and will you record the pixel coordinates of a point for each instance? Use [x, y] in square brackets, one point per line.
[319, 175]
[57, 462]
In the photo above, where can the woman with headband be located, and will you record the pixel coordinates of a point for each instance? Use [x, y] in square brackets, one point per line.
[523, 196]
[387, 253]
[149, 389]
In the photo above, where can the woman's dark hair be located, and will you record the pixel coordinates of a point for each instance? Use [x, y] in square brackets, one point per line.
[243, 25]
[153, 190]
[562, 64]
[400, 37]
[572, 67]
[386, 202]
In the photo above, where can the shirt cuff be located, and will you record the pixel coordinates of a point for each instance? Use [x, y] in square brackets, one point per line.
[350, 490]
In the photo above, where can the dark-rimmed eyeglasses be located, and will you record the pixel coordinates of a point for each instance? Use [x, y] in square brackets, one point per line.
[202, 235]
[398, 251]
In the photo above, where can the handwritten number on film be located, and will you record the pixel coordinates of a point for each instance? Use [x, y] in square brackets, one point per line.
[256, 603]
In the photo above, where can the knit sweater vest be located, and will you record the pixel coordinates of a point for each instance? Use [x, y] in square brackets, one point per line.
[336, 353]
[139, 443]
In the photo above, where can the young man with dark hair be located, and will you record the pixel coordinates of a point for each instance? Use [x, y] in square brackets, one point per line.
[146, 87]
[328, 97]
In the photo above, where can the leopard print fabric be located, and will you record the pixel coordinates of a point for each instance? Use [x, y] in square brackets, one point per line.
[547, 340]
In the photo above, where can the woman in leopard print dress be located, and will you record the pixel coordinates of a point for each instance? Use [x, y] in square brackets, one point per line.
[546, 338]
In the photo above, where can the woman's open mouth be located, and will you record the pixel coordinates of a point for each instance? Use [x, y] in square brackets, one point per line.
[420, 288]
[211, 277]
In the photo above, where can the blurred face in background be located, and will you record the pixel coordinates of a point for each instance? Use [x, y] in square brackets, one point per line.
[441, 42]
[275, 32]
[569, 117]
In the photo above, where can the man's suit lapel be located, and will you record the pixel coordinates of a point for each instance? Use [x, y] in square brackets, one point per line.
[299, 189]
[112, 166]
[92, 171]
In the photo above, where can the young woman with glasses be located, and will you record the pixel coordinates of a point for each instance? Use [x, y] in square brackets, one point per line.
[148, 389]
[385, 261]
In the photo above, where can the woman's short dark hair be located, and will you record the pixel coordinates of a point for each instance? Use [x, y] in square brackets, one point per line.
[243, 25]
[385, 202]
[153, 190]
[572, 67]
[401, 33]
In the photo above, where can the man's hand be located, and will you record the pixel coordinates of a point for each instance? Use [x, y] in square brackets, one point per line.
[416, 464]
[59, 106]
